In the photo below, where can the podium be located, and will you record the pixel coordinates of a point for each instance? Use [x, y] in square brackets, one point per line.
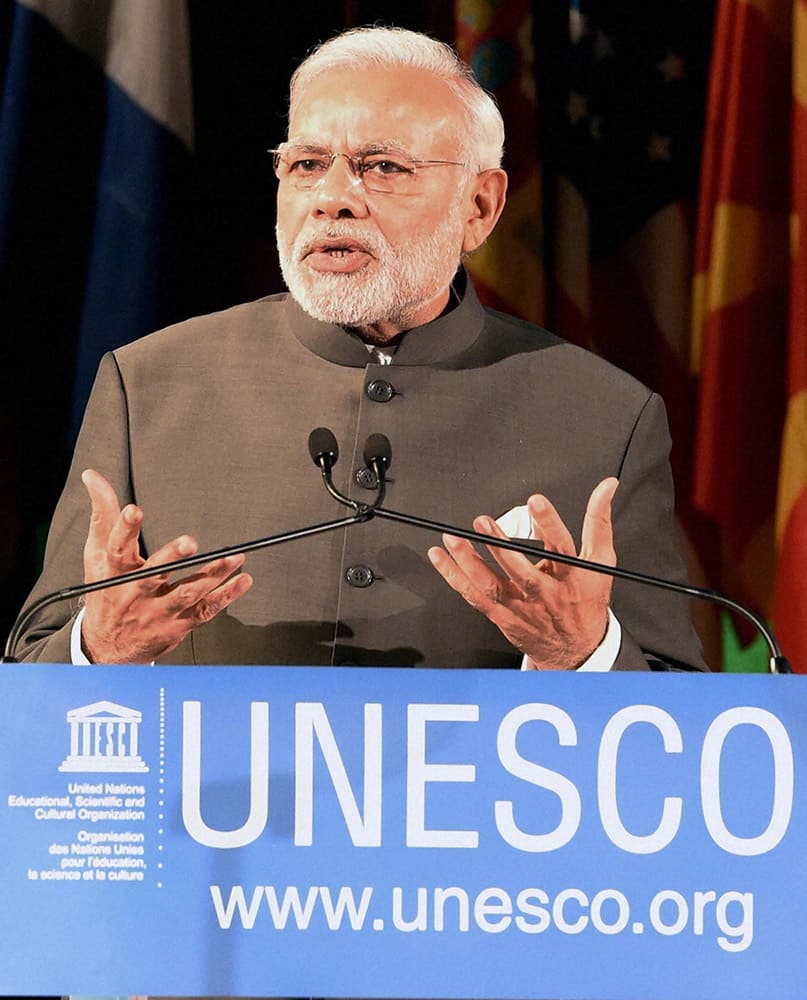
[295, 831]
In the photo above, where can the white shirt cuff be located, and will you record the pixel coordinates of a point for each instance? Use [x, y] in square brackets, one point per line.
[77, 656]
[604, 656]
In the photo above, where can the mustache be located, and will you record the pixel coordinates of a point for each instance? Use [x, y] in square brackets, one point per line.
[371, 243]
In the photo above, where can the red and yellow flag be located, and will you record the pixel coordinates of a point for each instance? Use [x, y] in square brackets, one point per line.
[749, 310]
[790, 605]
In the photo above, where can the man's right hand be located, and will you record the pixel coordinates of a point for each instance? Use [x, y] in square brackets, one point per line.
[137, 622]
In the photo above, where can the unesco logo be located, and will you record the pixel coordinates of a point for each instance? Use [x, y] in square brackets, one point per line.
[104, 738]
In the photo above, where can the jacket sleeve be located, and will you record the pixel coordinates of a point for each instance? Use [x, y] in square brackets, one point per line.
[657, 629]
[103, 444]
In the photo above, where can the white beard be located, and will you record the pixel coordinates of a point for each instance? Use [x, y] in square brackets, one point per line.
[392, 288]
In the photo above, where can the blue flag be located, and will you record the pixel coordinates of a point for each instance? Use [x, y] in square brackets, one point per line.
[97, 130]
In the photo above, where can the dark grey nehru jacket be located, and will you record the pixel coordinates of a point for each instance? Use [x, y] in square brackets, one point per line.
[205, 426]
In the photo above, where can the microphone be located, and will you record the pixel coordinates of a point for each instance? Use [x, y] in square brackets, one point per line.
[324, 451]
[378, 449]
[378, 456]
[323, 448]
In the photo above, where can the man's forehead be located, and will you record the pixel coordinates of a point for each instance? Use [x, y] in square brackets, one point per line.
[375, 102]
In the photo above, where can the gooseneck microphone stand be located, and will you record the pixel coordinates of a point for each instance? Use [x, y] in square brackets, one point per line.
[324, 452]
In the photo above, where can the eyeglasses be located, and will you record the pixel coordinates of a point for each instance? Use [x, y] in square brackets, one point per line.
[383, 171]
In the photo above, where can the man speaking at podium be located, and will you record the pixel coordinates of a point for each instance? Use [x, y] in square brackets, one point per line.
[196, 437]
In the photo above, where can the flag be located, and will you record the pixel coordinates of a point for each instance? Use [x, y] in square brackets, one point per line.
[96, 133]
[790, 605]
[622, 88]
[113, 78]
[746, 307]
[496, 40]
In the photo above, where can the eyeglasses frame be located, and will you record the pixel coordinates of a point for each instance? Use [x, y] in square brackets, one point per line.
[354, 162]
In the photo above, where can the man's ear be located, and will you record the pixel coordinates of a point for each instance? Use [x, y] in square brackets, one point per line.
[488, 194]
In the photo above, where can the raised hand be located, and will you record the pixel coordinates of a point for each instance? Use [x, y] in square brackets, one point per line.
[137, 622]
[555, 614]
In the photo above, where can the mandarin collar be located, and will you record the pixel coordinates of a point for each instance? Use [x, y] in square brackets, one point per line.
[438, 341]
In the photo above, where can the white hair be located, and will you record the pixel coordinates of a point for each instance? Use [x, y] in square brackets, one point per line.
[482, 137]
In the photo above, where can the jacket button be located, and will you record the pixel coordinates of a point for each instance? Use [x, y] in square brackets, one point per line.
[379, 390]
[359, 576]
[366, 478]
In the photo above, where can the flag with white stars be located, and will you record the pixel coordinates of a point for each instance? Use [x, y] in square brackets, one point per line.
[621, 94]
[632, 87]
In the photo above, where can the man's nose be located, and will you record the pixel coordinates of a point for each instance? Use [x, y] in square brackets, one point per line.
[341, 193]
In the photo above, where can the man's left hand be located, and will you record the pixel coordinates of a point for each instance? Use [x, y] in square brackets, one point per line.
[556, 614]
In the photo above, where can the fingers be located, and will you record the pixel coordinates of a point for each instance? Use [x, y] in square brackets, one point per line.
[122, 548]
[515, 564]
[112, 539]
[178, 548]
[105, 506]
[200, 595]
[548, 527]
[178, 597]
[217, 600]
[464, 570]
[597, 540]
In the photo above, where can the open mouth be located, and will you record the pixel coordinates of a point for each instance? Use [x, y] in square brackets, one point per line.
[335, 248]
[336, 255]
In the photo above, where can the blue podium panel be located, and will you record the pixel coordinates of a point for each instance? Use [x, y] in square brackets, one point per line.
[296, 831]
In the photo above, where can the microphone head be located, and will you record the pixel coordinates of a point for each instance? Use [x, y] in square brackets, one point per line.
[323, 447]
[378, 449]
